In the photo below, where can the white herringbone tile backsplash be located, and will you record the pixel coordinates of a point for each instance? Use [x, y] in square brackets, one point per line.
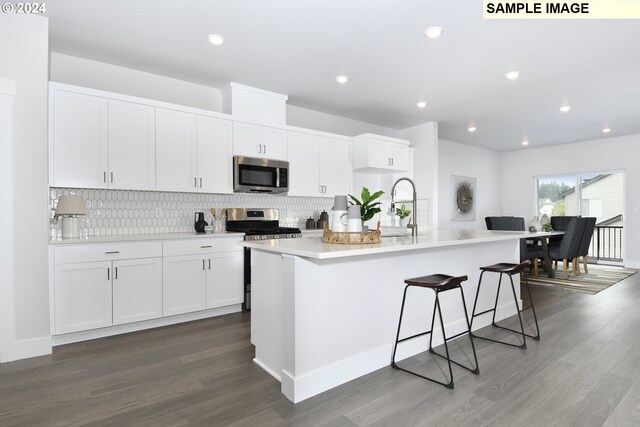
[119, 212]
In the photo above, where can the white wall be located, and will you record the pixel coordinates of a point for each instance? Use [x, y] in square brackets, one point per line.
[24, 49]
[99, 75]
[310, 119]
[424, 140]
[465, 160]
[620, 153]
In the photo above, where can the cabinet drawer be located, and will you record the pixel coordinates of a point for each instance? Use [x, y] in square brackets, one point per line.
[201, 246]
[91, 252]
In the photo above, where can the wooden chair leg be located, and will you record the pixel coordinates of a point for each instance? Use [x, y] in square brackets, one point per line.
[584, 260]
[576, 266]
[565, 268]
[535, 267]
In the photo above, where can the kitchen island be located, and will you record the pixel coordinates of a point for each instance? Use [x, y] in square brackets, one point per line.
[324, 314]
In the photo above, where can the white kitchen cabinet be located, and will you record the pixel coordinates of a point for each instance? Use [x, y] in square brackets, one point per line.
[184, 279]
[259, 141]
[82, 297]
[214, 144]
[224, 279]
[99, 285]
[319, 166]
[132, 146]
[176, 151]
[200, 274]
[377, 153]
[137, 290]
[101, 143]
[78, 140]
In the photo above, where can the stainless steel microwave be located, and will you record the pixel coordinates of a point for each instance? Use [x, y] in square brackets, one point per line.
[252, 175]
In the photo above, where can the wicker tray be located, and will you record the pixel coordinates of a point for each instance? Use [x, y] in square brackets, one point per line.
[372, 236]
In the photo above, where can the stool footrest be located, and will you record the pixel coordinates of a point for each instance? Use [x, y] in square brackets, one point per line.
[483, 312]
[522, 346]
[456, 335]
[414, 336]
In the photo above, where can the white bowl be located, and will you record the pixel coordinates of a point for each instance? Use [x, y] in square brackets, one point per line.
[208, 228]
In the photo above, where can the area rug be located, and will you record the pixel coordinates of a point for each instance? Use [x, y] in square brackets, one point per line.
[600, 277]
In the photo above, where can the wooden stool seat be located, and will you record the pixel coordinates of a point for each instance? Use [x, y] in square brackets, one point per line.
[441, 282]
[507, 268]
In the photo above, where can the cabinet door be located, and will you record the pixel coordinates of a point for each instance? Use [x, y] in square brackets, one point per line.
[379, 156]
[82, 296]
[224, 279]
[215, 174]
[247, 140]
[399, 157]
[176, 151]
[183, 284]
[304, 165]
[335, 167]
[132, 146]
[274, 143]
[78, 132]
[137, 290]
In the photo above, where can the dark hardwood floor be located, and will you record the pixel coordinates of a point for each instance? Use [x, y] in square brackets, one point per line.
[583, 372]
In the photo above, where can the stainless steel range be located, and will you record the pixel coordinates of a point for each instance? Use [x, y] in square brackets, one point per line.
[256, 224]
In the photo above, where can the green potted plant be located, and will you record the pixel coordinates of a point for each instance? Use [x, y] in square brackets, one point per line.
[368, 208]
[403, 213]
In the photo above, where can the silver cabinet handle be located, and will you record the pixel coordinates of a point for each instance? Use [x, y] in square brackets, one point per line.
[195, 181]
[104, 177]
[200, 182]
[259, 148]
[209, 263]
[205, 246]
[108, 273]
[392, 161]
[203, 263]
[112, 252]
[265, 149]
[116, 276]
[112, 177]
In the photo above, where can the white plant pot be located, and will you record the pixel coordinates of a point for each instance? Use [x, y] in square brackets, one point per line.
[404, 222]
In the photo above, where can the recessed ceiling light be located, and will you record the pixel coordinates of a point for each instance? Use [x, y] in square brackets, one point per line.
[433, 32]
[512, 75]
[606, 130]
[421, 104]
[215, 39]
[525, 142]
[565, 108]
[472, 129]
[342, 79]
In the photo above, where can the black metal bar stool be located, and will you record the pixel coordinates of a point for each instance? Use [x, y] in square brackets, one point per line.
[509, 270]
[438, 283]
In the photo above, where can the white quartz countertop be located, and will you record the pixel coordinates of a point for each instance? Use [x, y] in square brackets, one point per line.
[143, 237]
[313, 247]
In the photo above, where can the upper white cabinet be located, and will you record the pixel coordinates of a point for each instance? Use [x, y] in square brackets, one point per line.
[78, 140]
[193, 152]
[375, 152]
[132, 146]
[318, 165]
[101, 143]
[214, 155]
[259, 141]
[176, 151]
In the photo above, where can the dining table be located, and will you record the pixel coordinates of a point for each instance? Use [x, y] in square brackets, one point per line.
[544, 241]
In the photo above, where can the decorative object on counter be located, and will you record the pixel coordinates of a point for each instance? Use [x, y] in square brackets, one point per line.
[403, 213]
[200, 223]
[368, 208]
[547, 227]
[209, 228]
[310, 224]
[535, 225]
[464, 190]
[339, 214]
[544, 220]
[373, 236]
[213, 213]
[354, 220]
[69, 207]
[323, 221]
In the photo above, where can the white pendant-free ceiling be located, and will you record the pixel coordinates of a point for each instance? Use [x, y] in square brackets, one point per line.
[298, 47]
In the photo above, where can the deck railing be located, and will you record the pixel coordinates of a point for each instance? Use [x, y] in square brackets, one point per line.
[606, 243]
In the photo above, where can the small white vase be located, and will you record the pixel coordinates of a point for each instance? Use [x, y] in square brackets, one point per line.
[404, 222]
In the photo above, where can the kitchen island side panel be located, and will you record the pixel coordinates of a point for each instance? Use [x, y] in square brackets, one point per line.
[320, 323]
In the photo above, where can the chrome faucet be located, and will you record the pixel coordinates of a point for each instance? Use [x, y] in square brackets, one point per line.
[413, 226]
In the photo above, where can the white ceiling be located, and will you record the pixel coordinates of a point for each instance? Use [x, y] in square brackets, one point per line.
[298, 47]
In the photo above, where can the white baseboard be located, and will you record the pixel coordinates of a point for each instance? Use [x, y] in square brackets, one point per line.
[632, 264]
[24, 349]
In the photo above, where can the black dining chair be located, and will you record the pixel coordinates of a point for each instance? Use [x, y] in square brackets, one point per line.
[528, 251]
[567, 249]
[559, 223]
[585, 242]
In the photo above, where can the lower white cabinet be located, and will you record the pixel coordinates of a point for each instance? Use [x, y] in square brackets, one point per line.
[137, 290]
[202, 281]
[82, 296]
